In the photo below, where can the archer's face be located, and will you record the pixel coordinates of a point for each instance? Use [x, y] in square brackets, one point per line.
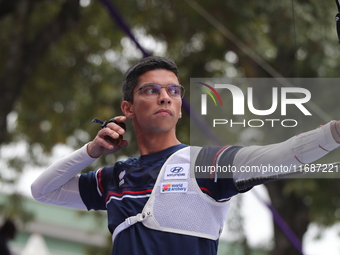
[161, 113]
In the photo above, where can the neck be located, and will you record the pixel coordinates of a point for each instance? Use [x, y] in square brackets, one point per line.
[151, 143]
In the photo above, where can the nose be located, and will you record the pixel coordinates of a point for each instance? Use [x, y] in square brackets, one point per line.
[164, 97]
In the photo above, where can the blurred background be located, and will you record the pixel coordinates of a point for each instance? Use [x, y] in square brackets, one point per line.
[61, 65]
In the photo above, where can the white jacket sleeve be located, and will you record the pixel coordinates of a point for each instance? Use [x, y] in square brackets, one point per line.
[59, 183]
[294, 152]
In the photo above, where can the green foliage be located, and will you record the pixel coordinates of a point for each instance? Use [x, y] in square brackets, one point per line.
[78, 75]
[13, 208]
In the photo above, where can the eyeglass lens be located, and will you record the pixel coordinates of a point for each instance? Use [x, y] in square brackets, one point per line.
[153, 91]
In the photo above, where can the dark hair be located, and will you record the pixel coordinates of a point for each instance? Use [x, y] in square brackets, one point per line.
[142, 66]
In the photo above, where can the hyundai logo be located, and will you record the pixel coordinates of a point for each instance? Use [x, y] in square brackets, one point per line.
[176, 169]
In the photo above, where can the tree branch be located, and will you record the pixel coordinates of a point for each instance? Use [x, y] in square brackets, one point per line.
[24, 56]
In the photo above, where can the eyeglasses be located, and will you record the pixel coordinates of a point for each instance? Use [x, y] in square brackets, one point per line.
[152, 91]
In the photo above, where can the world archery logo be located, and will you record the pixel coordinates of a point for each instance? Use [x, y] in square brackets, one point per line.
[166, 187]
[174, 187]
[209, 90]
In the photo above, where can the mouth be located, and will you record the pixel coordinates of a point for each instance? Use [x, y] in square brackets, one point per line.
[164, 112]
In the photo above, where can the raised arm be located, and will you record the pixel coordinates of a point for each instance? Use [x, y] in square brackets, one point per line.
[298, 150]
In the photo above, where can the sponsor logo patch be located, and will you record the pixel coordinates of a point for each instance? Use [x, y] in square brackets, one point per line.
[167, 187]
[174, 171]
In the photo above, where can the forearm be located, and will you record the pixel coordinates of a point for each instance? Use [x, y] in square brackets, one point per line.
[58, 184]
[301, 149]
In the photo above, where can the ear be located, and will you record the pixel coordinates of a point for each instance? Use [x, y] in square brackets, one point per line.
[180, 114]
[126, 107]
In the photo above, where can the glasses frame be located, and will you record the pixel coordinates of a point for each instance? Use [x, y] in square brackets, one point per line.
[159, 90]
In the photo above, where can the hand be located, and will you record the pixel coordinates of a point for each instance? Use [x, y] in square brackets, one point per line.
[100, 146]
[335, 129]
